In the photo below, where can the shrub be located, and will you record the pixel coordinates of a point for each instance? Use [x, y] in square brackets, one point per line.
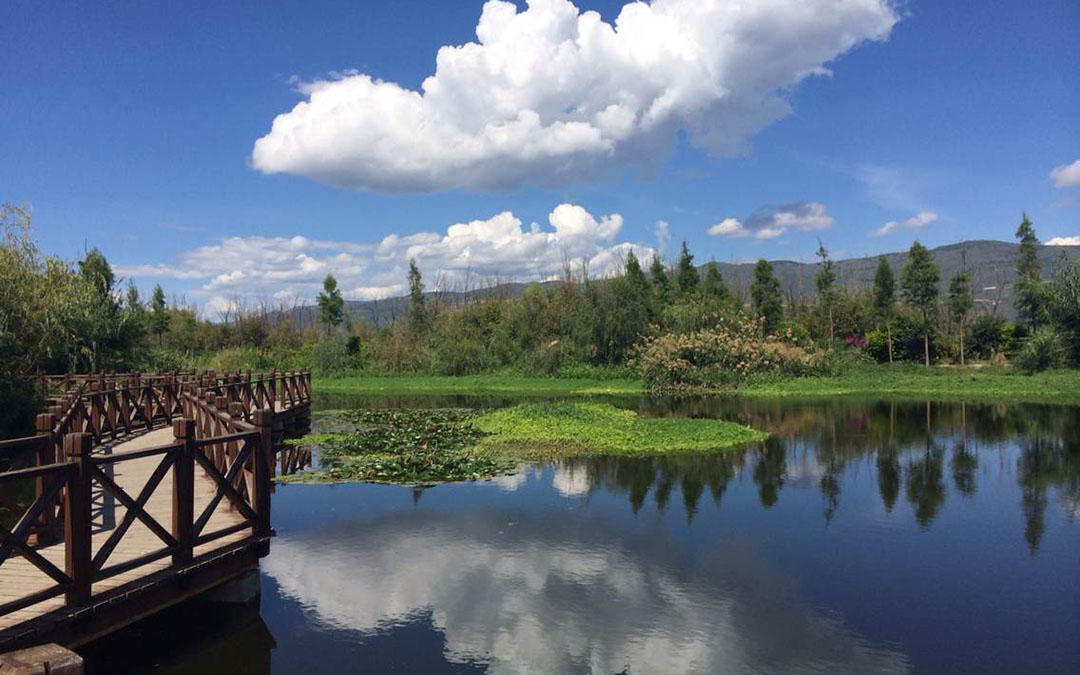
[986, 336]
[330, 356]
[720, 357]
[1042, 351]
[907, 331]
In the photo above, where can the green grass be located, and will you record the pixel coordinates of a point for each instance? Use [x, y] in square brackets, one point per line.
[475, 384]
[902, 380]
[541, 430]
[935, 383]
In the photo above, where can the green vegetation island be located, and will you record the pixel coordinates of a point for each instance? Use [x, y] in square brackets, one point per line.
[665, 329]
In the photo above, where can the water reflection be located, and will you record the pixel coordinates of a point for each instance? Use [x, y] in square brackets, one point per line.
[861, 537]
[563, 593]
[909, 444]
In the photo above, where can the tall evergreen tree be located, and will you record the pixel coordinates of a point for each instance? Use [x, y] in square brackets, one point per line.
[636, 279]
[713, 286]
[660, 278]
[825, 280]
[686, 273]
[331, 304]
[1029, 292]
[766, 297]
[418, 314]
[885, 298]
[159, 313]
[960, 303]
[95, 270]
[919, 282]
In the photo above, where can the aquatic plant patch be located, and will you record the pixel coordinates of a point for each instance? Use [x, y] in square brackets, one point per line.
[413, 447]
[566, 428]
[422, 447]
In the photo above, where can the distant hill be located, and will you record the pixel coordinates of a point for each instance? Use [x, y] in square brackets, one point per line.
[989, 263]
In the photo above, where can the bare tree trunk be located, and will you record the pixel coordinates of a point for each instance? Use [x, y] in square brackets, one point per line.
[888, 330]
[961, 342]
[926, 347]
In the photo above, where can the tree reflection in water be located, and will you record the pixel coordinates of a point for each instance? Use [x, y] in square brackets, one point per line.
[904, 443]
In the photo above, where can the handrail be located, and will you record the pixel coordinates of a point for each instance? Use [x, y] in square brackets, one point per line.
[230, 425]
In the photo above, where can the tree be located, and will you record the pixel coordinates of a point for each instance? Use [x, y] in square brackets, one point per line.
[713, 285]
[686, 274]
[765, 296]
[637, 282]
[660, 278]
[885, 298]
[1029, 296]
[1065, 307]
[96, 271]
[159, 313]
[919, 282]
[635, 275]
[418, 316]
[331, 305]
[960, 303]
[825, 280]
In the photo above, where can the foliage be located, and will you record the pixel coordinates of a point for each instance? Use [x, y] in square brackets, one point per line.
[960, 303]
[1042, 351]
[159, 313]
[911, 340]
[1065, 308]
[573, 428]
[986, 336]
[660, 278]
[331, 304]
[720, 357]
[685, 273]
[907, 380]
[765, 295]
[587, 382]
[418, 314]
[713, 286]
[330, 356]
[825, 282]
[1029, 292]
[919, 283]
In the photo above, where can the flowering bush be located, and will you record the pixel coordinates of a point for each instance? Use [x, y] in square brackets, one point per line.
[856, 341]
[721, 357]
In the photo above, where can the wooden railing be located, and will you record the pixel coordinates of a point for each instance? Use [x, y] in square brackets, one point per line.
[229, 426]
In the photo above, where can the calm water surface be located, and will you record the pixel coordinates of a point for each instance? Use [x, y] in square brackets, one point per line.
[863, 537]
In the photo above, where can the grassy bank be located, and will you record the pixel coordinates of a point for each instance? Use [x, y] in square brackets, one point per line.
[475, 384]
[901, 380]
[934, 383]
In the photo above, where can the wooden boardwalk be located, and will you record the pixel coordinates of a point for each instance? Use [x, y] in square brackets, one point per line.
[146, 491]
[20, 578]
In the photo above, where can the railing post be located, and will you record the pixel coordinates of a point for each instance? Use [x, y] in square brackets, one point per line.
[183, 511]
[263, 458]
[46, 454]
[77, 550]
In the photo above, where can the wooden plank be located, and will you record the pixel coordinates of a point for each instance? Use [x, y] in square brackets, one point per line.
[19, 578]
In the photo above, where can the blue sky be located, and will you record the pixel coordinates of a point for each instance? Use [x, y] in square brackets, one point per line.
[131, 126]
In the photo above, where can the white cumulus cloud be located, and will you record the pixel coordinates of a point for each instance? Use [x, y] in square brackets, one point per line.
[770, 222]
[552, 93]
[1066, 175]
[916, 222]
[1064, 241]
[728, 227]
[499, 248]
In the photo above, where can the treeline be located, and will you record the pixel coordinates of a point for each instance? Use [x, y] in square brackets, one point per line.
[675, 325]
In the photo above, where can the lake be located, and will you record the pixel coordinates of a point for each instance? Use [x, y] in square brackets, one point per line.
[862, 537]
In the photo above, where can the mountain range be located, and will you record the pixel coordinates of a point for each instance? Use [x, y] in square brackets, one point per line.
[990, 265]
